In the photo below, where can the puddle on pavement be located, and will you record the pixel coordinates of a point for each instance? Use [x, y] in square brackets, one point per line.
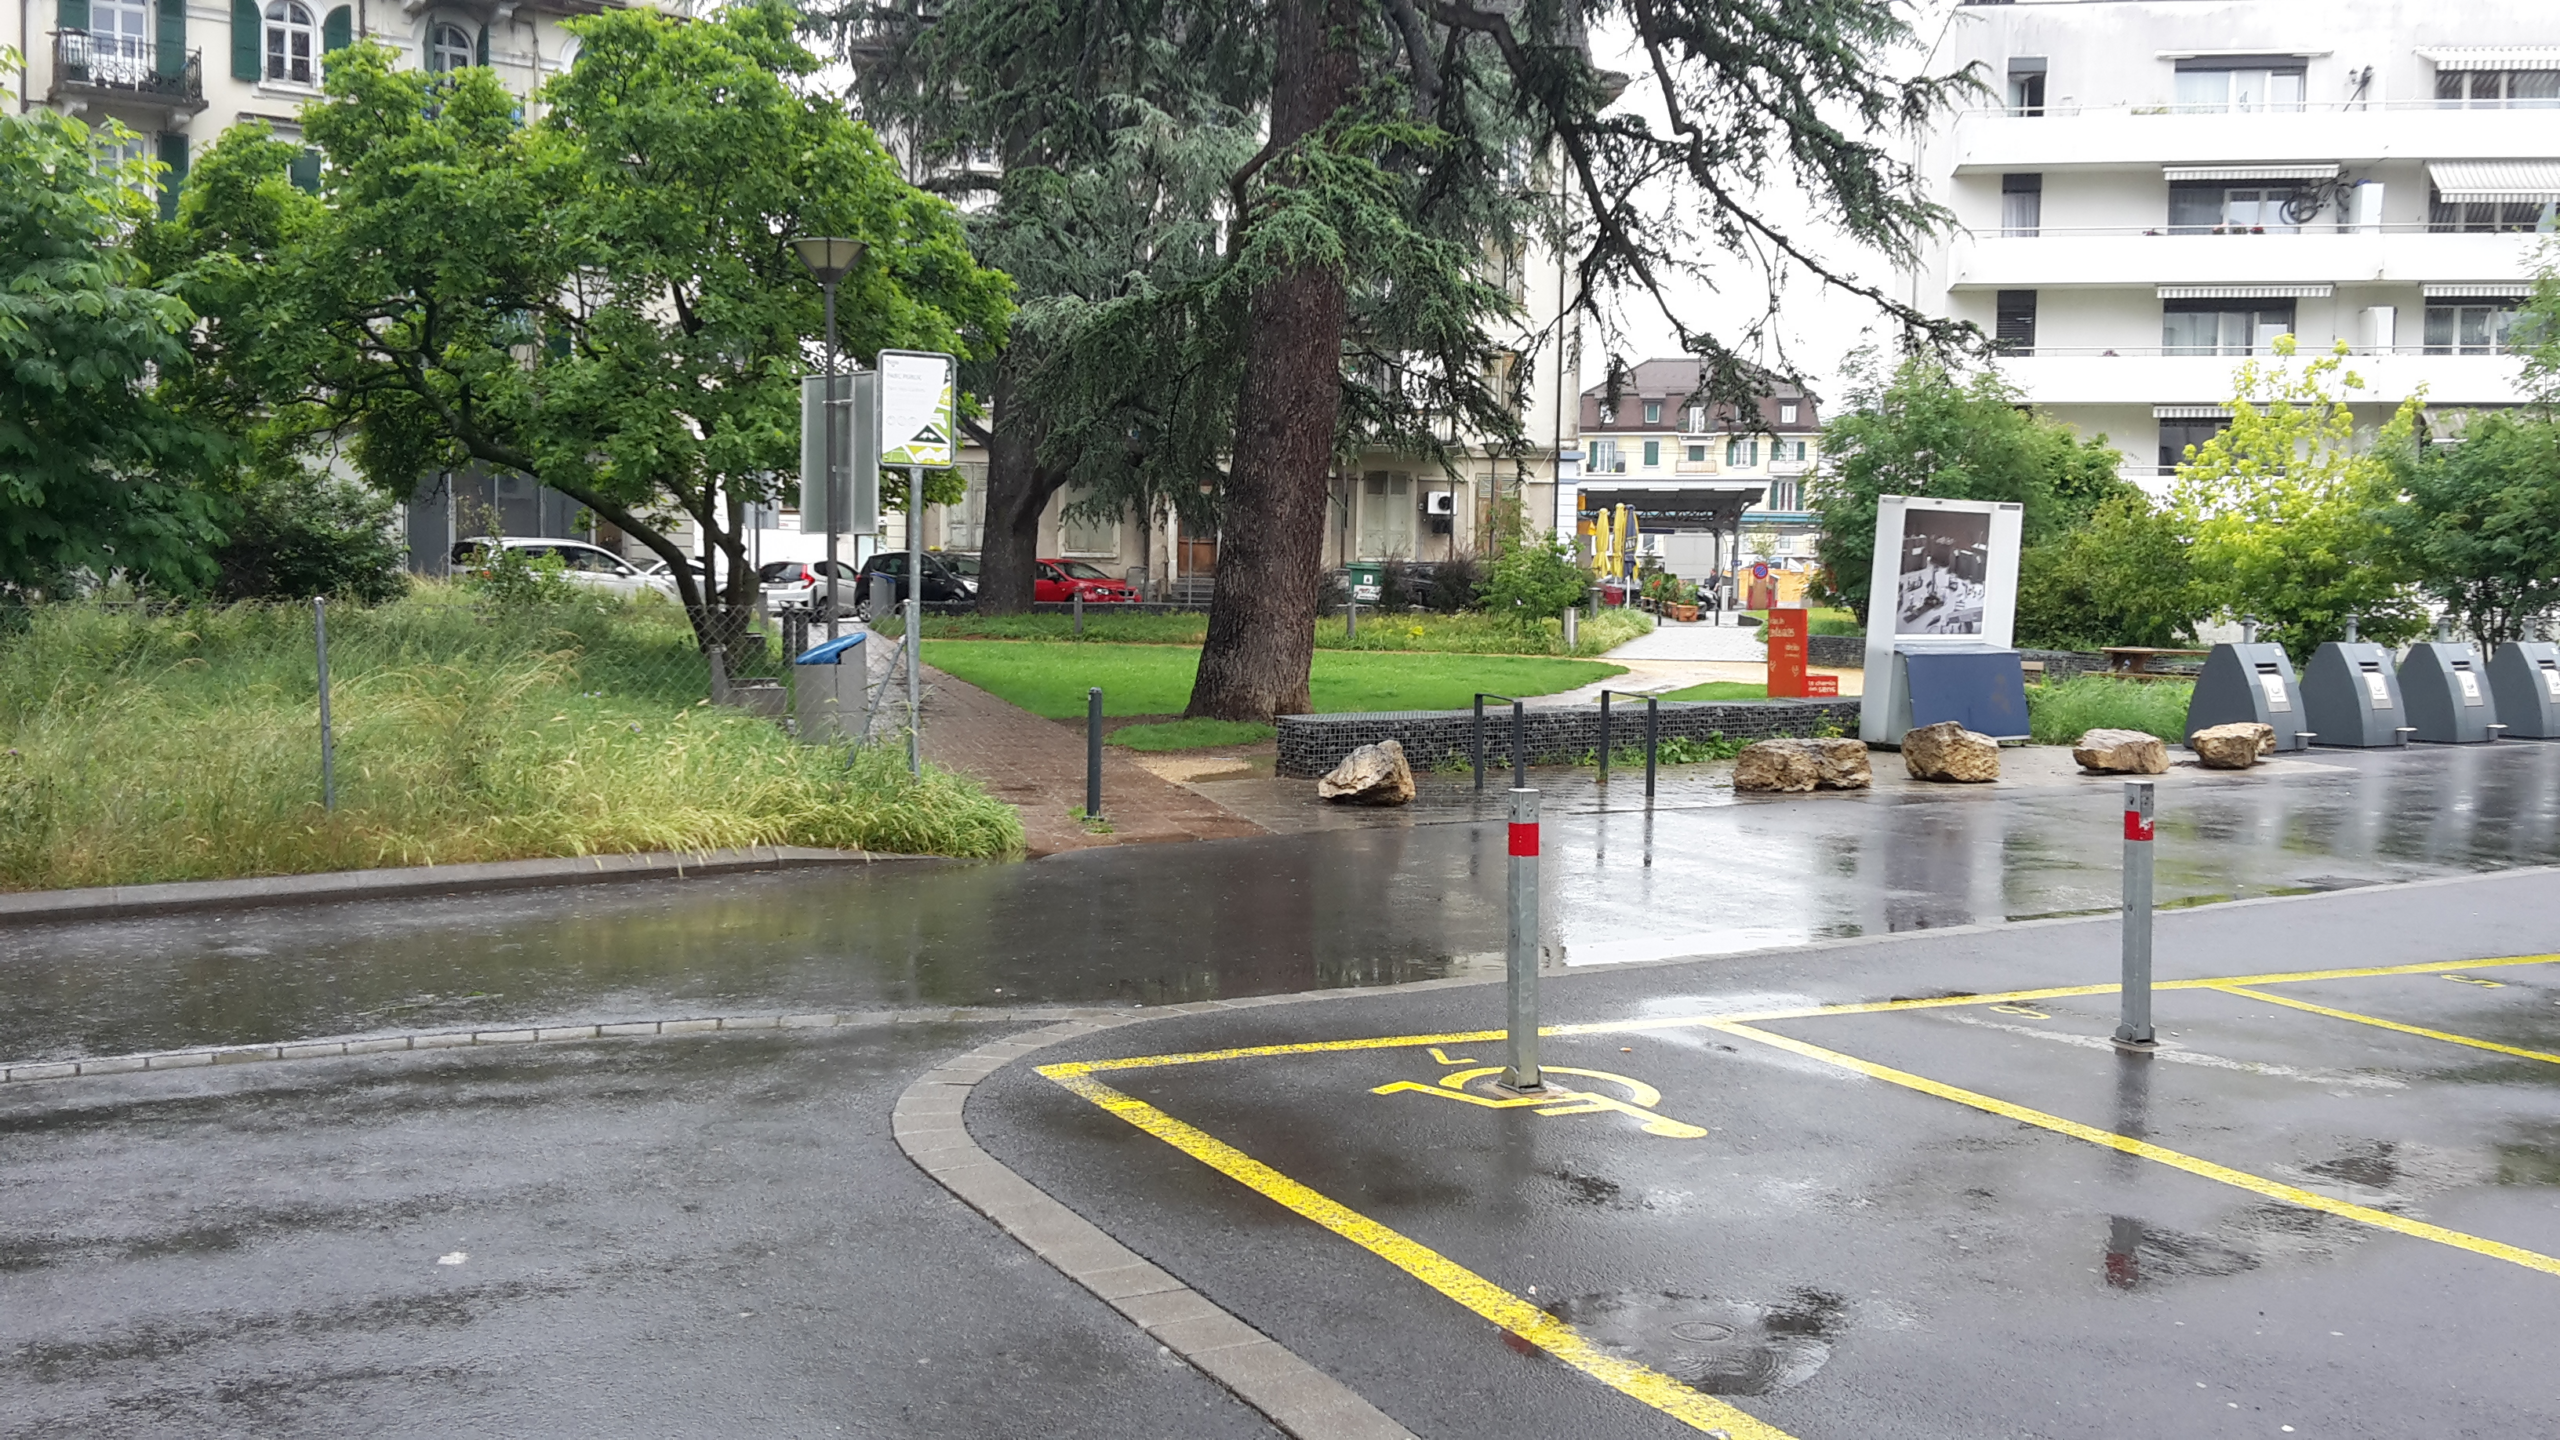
[1720, 1347]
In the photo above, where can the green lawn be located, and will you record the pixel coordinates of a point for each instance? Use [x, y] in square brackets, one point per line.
[1721, 690]
[1190, 734]
[1469, 633]
[1156, 679]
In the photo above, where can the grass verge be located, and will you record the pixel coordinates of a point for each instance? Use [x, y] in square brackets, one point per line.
[1051, 680]
[1721, 690]
[1190, 734]
[2061, 711]
[185, 747]
[1463, 634]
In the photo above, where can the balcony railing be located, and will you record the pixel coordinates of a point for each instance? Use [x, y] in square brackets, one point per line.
[114, 65]
[2313, 107]
[2309, 350]
[2518, 225]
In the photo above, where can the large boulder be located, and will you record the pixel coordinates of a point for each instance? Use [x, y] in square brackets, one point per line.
[1371, 775]
[1948, 751]
[2232, 747]
[2122, 752]
[1800, 765]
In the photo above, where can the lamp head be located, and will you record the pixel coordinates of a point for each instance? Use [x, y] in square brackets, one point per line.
[828, 257]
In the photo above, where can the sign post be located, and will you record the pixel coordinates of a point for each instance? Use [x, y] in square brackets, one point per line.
[919, 424]
[1787, 629]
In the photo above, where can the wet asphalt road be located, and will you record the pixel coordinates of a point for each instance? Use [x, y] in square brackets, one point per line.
[1842, 1257]
[252, 1251]
[686, 1237]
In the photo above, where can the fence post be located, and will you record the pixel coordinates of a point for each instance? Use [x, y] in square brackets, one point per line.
[716, 658]
[1475, 745]
[1519, 745]
[328, 741]
[2133, 1027]
[1093, 753]
[1652, 741]
[1522, 955]
[1604, 737]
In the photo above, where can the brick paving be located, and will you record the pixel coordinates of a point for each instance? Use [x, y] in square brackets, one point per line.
[1037, 767]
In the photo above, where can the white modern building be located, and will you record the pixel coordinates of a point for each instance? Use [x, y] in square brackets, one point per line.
[2160, 187]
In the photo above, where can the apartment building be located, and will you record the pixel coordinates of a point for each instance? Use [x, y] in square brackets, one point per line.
[1711, 484]
[2159, 188]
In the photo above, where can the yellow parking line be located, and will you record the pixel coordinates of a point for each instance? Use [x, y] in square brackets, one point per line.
[1699, 1411]
[2379, 1023]
[2176, 1160]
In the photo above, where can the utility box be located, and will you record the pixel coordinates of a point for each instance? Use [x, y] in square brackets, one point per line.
[2524, 682]
[1981, 687]
[2249, 683]
[2351, 697]
[834, 689]
[2448, 693]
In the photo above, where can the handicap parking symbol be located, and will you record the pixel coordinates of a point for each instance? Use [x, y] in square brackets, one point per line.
[1554, 1100]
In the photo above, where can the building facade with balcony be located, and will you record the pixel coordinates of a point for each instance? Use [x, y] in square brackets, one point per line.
[2168, 185]
[1712, 487]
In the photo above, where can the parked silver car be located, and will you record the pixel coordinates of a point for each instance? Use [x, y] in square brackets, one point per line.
[580, 563]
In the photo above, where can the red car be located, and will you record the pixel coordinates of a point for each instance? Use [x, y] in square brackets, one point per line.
[1060, 580]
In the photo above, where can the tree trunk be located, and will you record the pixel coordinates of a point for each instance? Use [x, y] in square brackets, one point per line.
[1271, 536]
[1018, 491]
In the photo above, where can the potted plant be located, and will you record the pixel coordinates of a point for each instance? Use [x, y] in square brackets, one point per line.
[1672, 596]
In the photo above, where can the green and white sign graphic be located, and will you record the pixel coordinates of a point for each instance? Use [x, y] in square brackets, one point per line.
[919, 417]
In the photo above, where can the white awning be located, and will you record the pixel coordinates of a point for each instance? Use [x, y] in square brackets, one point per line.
[2494, 57]
[2190, 412]
[2493, 290]
[2530, 181]
[2247, 292]
[2250, 172]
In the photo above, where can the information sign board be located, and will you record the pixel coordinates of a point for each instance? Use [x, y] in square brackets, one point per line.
[919, 409]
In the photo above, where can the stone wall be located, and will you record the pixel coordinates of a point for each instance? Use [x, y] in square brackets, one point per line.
[1310, 745]
[1849, 652]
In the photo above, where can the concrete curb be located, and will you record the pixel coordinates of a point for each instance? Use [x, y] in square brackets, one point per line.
[118, 901]
[1295, 1396]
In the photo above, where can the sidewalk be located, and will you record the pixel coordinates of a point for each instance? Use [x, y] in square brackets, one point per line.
[1674, 656]
[1037, 766]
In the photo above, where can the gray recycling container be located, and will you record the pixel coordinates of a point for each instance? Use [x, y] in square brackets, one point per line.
[2448, 693]
[2249, 683]
[833, 689]
[1982, 687]
[2524, 681]
[2351, 697]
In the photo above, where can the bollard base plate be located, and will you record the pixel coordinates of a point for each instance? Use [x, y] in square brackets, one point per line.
[2135, 1047]
[1519, 1091]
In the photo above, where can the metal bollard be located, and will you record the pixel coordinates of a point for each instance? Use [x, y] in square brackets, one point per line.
[1351, 619]
[1572, 628]
[1475, 746]
[1078, 600]
[1652, 741]
[328, 741]
[2133, 1026]
[1522, 978]
[1093, 753]
[1519, 745]
[1604, 738]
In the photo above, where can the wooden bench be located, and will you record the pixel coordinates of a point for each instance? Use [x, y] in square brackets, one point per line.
[2133, 662]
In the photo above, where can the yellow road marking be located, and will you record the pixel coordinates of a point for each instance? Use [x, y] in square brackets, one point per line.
[1556, 1099]
[1512, 1313]
[2474, 980]
[1805, 1012]
[2176, 1160]
[2029, 1011]
[2380, 1023]
[1451, 1059]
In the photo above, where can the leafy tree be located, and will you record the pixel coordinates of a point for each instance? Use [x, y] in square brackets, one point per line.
[304, 532]
[2124, 578]
[2479, 522]
[1925, 431]
[1412, 151]
[1534, 579]
[2288, 514]
[97, 472]
[605, 300]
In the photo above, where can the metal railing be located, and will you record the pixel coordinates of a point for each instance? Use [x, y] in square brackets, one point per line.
[118, 65]
[1519, 740]
[1652, 736]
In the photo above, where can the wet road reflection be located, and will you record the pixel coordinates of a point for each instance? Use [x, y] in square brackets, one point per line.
[1704, 873]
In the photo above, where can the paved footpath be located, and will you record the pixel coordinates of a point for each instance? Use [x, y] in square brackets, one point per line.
[1673, 656]
[1038, 767]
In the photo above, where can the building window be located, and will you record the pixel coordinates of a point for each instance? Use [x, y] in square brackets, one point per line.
[1787, 413]
[1782, 495]
[2509, 216]
[2014, 322]
[1697, 454]
[2487, 328]
[2206, 87]
[1386, 515]
[119, 46]
[449, 48]
[2212, 208]
[1653, 454]
[2021, 205]
[2026, 86]
[1608, 414]
[2177, 435]
[291, 42]
[1605, 459]
[1742, 451]
[2498, 90]
[2223, 327]
[1653, 412]
[1696, 419]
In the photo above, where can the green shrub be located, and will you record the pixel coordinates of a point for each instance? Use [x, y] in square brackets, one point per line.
[2061, 711]
[1533, 580]
[305, 534]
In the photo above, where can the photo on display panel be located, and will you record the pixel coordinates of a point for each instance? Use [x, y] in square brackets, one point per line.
[1945, 556]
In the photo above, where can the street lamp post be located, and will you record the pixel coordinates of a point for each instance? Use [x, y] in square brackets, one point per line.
[829, 258]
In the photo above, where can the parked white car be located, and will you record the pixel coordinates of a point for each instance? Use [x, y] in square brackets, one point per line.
[580, 562]
[802, 585]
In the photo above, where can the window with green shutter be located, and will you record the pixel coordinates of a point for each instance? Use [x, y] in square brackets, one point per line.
[484, 45]
[305, 171]
[173, 155]
[72, 14]
[172, 39]
[337, 30]
[247, 33]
